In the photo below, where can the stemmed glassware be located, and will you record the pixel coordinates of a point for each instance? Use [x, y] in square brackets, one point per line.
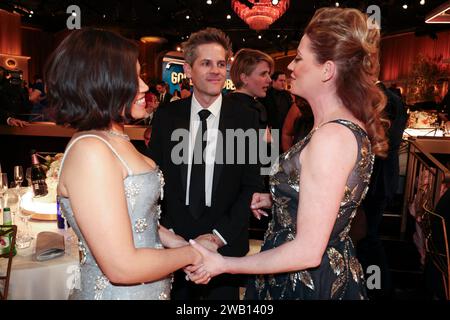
[3, 188]
[18, 176]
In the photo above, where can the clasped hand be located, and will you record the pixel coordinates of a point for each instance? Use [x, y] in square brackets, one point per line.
[197, 272]
[212, 263]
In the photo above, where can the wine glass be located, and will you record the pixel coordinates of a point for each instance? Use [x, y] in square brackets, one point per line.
[18, 176]
[24, 237]
[3, 187]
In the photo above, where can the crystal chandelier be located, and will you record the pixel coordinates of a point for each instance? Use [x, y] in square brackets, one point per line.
[261, 13]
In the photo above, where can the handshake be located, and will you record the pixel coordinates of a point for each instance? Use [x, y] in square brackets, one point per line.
[209, 263]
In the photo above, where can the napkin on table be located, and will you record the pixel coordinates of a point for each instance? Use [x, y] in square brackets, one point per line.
[49, 245]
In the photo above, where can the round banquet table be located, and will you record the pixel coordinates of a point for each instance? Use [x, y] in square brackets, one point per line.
[43, 280]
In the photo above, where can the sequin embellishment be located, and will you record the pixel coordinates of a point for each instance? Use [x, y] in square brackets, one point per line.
[163, 296]
[140, 225]
[162, 183]
[83, 252]
[131, 192]
[101, 282]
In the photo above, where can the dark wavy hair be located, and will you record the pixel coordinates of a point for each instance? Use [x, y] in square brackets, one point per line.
[91, 79]
[343, 36]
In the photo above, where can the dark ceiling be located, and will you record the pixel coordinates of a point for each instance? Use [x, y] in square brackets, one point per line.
[167, 18]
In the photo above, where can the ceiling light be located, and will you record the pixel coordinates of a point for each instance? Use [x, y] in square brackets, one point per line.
[422, 2]
[275, 2]
[260, 37]
[187, 17]
[178, 49]
[261, 14]
[209, 2]
[243, 39]
[278, 36]
[31, 16]
[405, 6]
[337, 4]
[32, 12]
[153, 39]
[228, 17]
[439, 15]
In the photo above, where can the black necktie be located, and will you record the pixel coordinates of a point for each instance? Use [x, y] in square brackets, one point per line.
[197, 183]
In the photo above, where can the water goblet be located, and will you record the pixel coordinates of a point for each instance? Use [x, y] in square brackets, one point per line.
[18, 176]
[3, 188]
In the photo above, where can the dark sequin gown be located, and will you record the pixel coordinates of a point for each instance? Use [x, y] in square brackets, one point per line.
[339, 275]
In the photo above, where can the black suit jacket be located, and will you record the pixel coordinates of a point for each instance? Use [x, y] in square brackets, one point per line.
[166, 99]
[233, 184]
[384, 181]
[3, 117]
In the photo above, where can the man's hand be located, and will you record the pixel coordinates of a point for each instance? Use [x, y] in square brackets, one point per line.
[13, 122]
[209, 241]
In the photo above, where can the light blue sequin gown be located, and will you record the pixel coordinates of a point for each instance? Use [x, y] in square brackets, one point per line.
[142, 192]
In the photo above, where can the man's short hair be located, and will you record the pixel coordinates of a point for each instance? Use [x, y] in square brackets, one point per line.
[205, 36]
[276, 74]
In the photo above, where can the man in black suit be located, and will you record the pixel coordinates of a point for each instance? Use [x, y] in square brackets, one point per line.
[208, 197]
[13, 122]
[6, 107]
[445, 104]
[382, 188]
[277, 101]
[164, 96]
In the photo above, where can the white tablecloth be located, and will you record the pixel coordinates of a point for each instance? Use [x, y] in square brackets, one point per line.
[52, 279]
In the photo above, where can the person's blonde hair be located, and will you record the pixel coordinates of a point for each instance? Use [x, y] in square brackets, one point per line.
[205, 36]
[245, 62]
[344, 37]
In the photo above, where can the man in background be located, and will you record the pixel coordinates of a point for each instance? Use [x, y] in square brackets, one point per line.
[164, 96]
[278, 101]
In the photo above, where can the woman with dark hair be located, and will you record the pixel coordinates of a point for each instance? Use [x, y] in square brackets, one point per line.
[176, 95]
[319, 183]
[107, 190]
[185, 88]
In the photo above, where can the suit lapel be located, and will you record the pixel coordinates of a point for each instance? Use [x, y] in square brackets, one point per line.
[182, 121]
[226, 122]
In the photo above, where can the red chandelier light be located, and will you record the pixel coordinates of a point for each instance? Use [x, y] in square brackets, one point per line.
[262, 14]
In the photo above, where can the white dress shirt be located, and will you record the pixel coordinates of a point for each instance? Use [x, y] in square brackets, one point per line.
[210, 153]
[212, 123]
